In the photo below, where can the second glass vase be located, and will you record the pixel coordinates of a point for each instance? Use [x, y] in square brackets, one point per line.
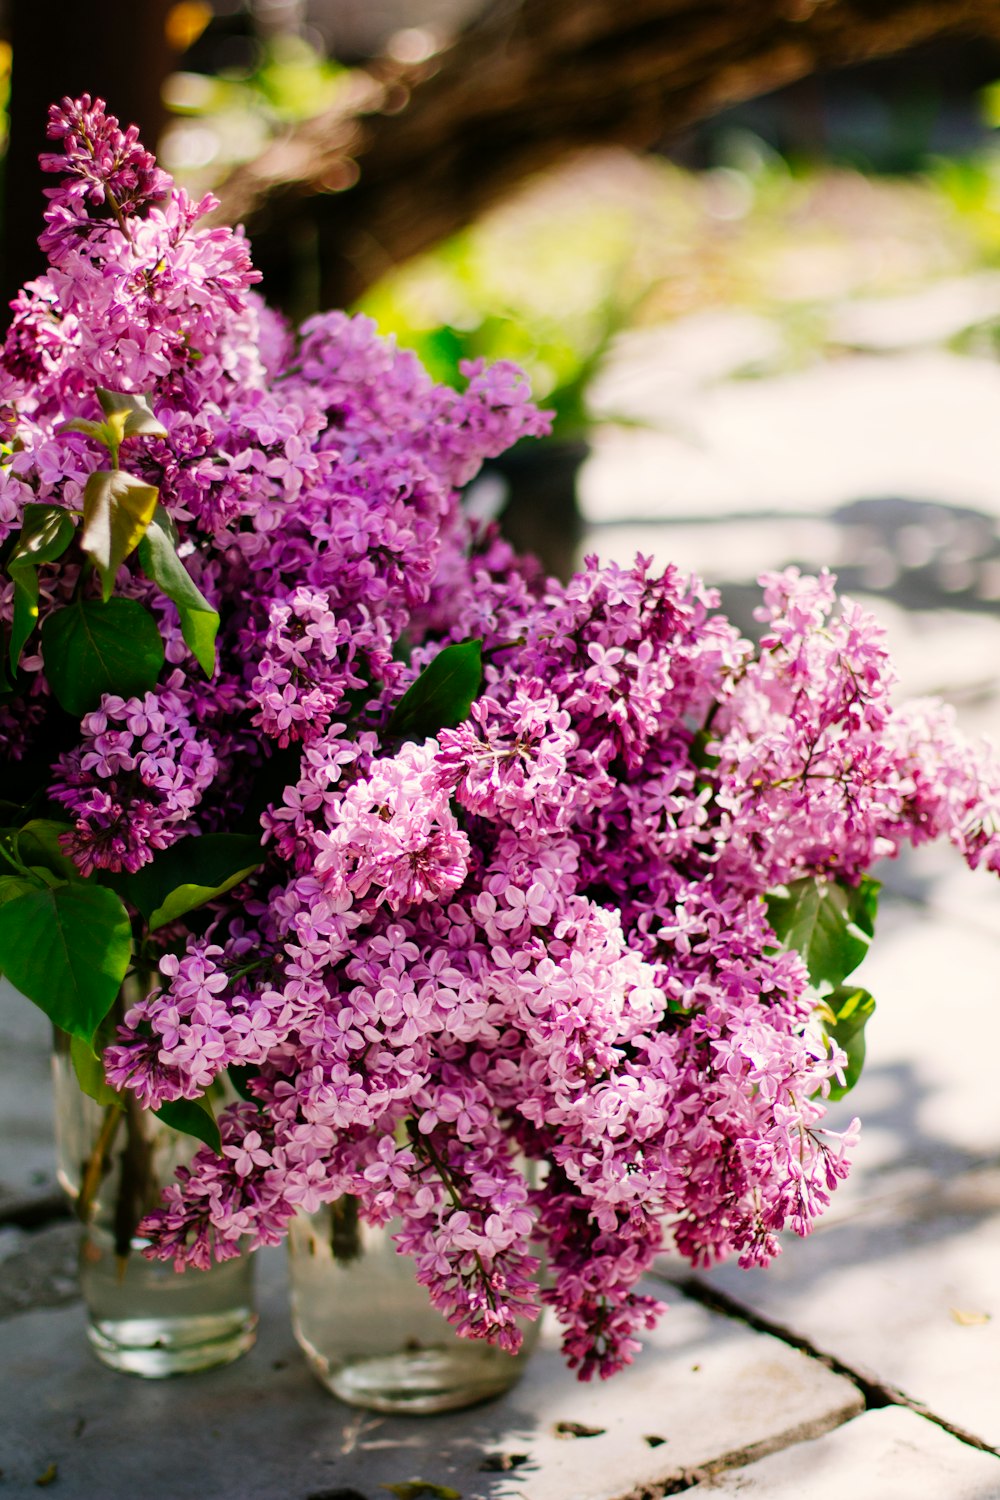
[144, 1317]
[369, 1330]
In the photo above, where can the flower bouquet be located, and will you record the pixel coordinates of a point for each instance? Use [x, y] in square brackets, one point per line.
[444, 866]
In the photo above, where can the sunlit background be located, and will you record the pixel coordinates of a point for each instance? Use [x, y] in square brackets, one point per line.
[774, 340]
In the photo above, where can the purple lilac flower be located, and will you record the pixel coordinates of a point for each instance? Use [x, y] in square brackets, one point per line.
[539, 933]
[134, 783]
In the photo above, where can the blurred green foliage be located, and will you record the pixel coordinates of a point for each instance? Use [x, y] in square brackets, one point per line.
[553, 303]
[613, 243]
[225, 118]
[969, 187]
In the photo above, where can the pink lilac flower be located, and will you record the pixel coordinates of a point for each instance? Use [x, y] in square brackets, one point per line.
[135, 782]
[98, 162]
[538, 934]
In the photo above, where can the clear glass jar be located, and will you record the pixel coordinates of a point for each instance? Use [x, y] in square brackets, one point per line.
[144, 1317]
[368, 1329]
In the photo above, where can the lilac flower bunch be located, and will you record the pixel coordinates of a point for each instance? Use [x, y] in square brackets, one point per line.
[444, 866]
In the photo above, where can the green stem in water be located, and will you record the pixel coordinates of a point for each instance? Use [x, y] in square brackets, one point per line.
[97, 1162]
[137, 1192]
[345, 1230]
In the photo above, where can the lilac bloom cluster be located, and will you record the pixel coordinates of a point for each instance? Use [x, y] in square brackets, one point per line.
[135, 781]
[538, 932]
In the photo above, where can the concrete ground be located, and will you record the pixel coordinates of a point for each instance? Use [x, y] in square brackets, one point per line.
[866, 1361]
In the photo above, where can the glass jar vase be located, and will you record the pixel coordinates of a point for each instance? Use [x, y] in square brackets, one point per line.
[143, 1316]
[368, 1329]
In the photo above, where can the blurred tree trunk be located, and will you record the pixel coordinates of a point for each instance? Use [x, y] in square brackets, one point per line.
[117, 51]
[419, 151]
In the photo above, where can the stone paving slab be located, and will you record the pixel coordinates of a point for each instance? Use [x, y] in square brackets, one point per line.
[890, 1454]
[927, 1098]
[906, 1294]
[920, 424]
[930, 316]
[27, 1165]
[941, 653]
[38, 1268]
[704, 1390]
[900, 1280]
[967, 900]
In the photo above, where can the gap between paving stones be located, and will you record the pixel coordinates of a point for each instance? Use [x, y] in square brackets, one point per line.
[876, 1393]
[738, 1458]
[30, 1211]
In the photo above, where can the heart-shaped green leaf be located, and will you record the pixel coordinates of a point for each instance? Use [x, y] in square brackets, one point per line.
[90, 648]
[193, 1117]
[241, 1078]
[89, 1070]
[67, 948]
[25, 581]
[443, 693]
[189, 896]
[46, 532]
[12, 886]
[188, 874]
[99, 431]
[38, 845]
[117, 508]
[845, 1013]
[199, 621]
[830, 923]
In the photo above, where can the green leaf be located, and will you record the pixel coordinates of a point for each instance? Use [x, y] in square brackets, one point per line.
[89, 1070]
[701, 757]
[166, 522]
[117, 508]
[135, 413]
[194, 1117]
[91, 648]
[38, 845]
[46, 532]
[67, 948]
[189, 897]
[99, 431]
[25, 581]
[829, 922]
[845, 1013]
[199, 621]
[12, 886]
[189, 873]
[241, 1078]
[443, 693]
